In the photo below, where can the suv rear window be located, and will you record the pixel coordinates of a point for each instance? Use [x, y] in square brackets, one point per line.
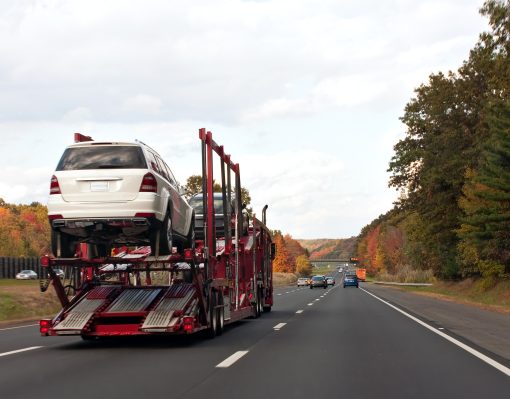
[102, 157]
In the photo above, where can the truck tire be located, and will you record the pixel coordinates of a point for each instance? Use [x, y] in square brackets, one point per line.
[267, 309]
[213, 318]
[67, 244]
[220, 314]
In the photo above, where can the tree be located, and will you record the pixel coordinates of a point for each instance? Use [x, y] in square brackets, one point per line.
[486, 202]
[283, 261]
[303, 266]
[194, 186]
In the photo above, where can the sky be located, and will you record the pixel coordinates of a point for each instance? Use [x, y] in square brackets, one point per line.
[305, 95]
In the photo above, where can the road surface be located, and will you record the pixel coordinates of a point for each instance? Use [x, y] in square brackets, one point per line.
[334, 343]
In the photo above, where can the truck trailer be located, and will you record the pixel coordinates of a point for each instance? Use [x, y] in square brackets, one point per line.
[133, 292]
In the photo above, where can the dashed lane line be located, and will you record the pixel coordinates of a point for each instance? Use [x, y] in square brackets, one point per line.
[231, 360]
[20, 351]
[299, 311]
[14, 328]
[279, 326]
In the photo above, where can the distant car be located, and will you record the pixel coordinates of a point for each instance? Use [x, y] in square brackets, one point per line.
[330, 280]
[60, 273]
[351, 280]
[112, 194]
[26, 275]
[302, 281]
[318, 281]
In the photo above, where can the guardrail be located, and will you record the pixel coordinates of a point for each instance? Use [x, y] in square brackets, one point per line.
[403, 284]
[10, 266]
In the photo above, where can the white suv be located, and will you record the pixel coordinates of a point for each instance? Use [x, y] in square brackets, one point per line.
[112, 194]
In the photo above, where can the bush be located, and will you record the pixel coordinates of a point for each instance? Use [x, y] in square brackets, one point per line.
[406, 274]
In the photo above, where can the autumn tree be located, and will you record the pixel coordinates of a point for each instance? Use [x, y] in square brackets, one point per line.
[303, 266]
[283, 261]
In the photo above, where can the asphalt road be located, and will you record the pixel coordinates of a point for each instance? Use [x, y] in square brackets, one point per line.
[327, 343]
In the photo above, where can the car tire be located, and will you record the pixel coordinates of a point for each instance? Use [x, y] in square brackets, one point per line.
[166, 241]
[311, 287]
[344, 285]
[190, 240]
[67, 244]
[103, 250]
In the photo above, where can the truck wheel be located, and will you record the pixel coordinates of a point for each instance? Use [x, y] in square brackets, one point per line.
[220, 313]
[267, 309]
[166, 236]
[213, 317]
[67, 244]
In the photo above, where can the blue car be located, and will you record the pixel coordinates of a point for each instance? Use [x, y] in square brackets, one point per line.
[351, 280]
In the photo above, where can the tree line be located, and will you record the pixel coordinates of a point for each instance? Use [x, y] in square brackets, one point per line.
[452, 169]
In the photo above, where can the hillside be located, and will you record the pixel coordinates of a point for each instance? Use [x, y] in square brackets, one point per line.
[330, 248]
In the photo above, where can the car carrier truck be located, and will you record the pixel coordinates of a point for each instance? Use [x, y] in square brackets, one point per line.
[133, 292]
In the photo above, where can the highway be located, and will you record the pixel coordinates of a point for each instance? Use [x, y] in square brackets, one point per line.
[315, 343]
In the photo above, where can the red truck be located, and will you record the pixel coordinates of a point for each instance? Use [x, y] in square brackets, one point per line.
[219, 280]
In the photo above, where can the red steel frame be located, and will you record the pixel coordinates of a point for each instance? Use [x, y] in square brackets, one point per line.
[241, 291]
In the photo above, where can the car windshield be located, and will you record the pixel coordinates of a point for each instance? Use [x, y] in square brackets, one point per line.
[102, 157]
[26, 271]
[317, 278]
[351, 276]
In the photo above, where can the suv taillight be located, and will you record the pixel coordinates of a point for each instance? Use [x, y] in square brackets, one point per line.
[149, 184]
[54, 186]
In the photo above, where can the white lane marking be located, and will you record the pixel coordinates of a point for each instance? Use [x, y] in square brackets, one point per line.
[474, 352]
[231, 360]
[287, 292]
[14, 328]
[299, 311]
[279, 326]
[20, 350]
[310, 304]
[279, 294]
[317, 300]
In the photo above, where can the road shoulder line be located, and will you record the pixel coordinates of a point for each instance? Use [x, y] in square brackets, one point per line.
[474, 352]
[20, 351]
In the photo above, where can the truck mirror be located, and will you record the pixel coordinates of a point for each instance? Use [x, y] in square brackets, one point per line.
[273, 251]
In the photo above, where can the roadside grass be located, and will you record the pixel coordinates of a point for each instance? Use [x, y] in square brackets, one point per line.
[494, 294]
[22, 300]
[406, 274]
[283, 279]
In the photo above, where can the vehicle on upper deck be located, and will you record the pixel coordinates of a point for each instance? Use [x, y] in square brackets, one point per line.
[196, 202]
[116, 193]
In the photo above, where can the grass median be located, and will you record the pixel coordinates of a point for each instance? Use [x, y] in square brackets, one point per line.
[491, 295]
[22, 300]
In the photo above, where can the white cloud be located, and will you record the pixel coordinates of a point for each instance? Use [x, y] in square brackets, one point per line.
[306, 95]
[143, 103]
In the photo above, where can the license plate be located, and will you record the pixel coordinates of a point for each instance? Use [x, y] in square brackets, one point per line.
[98, 186]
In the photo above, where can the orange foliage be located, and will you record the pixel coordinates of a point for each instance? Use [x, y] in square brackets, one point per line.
[283, 261]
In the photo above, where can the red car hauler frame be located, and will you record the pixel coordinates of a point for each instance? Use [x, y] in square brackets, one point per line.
[218, 281]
